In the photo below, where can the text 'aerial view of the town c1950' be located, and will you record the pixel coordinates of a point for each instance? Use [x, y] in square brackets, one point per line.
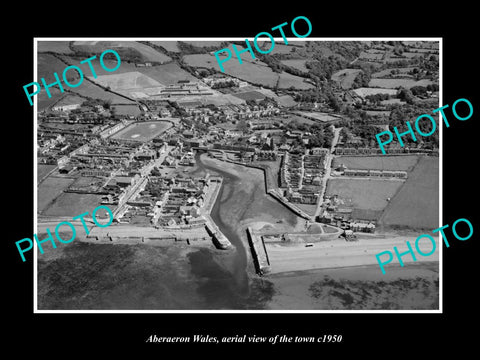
[262, 187]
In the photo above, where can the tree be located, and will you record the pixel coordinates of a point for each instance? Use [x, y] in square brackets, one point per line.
[242, 125]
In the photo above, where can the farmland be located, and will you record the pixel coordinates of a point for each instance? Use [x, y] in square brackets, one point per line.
[287, 80]
[144, 131]
[72, 204]
[250, 95]
[88, 89]
[43, 170]
[50, 189]
[345, 77]
[133, 110]
[167, 74]
[171, 46]
[130, 80]
[388, 72]
[317, 115]
[401, 163]
[368, 194]
[416, 204]
[59, 47]
[297, 64]
[70, 100]
[363, 91]
[255, 73]
[396, 83]
[147, 53]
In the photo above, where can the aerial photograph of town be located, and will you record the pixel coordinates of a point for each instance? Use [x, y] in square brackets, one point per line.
[262, 187]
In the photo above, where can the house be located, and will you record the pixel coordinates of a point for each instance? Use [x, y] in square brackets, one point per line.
[124, 181]
[317, 180]
[188, 134]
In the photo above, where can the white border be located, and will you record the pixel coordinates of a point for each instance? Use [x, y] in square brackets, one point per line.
[439, 311]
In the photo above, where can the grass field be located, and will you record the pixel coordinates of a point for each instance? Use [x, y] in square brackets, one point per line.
[386, 72]
[126, 81]
[96, 92]
[148, 53]
[318, 115]
[127, 110]
[396, 83]
[47, 65]
[168, 45]
[70, 100]
[371, 55]
[204, 43]
[416, 204]
[72, 204]
[345, 77]
[296, 63]
[372, 91]
[255, 73]
[59, 47]
[43, 170]
[287, 80]
[405, 163]
[50, 189]
[144, 131]
[250, 95]
[167, 74]
[368, 194]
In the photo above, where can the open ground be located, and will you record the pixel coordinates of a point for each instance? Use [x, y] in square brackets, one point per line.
[144, 131]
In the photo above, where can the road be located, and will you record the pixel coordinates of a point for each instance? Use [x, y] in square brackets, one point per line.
[328, 171]
[339, 253]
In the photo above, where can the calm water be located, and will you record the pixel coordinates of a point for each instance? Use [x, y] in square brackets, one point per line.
[240, 198]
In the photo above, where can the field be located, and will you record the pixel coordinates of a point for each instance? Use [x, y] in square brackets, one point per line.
[250, 95]
[377, 56]
[72, 204]
[370, 194]
[43, 170]
[144, 131]
[297, 64]
[70, 100]
[416, 204]
[345, 77]
[386, 72]
[96, 92]
[405, 163]
[127, 110]
[167, 45]
[317, 115]
[256, 73]
[148, 53]
[251, 70]
[204, 43]
[372, 91]
[50, 189]
[124, 81]
[59, 47]
[287, 80]
[47, 65]
[396, 83]
[167, 74]
[279, 48]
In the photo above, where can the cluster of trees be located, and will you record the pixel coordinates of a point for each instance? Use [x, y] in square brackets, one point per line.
[361, 80]
[324, 67]
[107, 104]
[401, 114]
[377, 98]
[225, 84]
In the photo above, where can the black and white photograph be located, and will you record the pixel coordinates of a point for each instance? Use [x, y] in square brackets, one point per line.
[260, 187]
[234, 179]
